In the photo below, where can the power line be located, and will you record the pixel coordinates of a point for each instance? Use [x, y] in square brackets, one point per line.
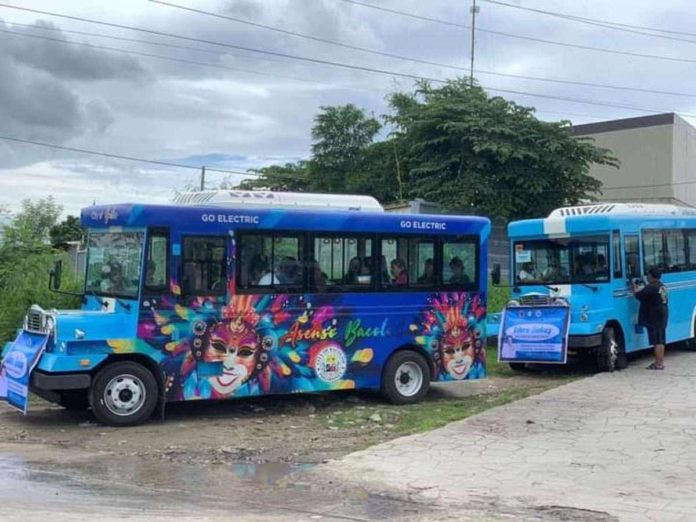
[636, 29]
[391, 73]
[360, 68]
[308, 37]
[177, 60]
[122, 157]
[528, 38]
[477, 71]
[407, 14]
[253, 174]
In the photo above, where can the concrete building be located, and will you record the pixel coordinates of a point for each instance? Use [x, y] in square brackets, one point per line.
[657, 155]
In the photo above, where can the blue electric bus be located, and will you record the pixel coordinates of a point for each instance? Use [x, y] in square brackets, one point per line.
[588, 256]
[234, 294]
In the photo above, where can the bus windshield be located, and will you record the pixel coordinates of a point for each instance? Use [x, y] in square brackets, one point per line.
[114, 260]
[562, 261]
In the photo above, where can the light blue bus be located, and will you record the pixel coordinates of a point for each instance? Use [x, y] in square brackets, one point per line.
[588, 255]
[234, 294]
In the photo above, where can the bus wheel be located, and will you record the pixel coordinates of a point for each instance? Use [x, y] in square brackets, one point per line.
[611, 355]
[123, 394]
[406, 378]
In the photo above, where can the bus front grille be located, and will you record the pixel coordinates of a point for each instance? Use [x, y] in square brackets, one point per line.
[535, 300]
[35, 321]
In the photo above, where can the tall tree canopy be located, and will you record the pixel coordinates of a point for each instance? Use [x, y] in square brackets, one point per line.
[468, 150]
[453, 145]
[26, 257]
[67, 230]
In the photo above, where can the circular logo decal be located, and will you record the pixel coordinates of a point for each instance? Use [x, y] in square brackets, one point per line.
[16, 365]
[330, 364]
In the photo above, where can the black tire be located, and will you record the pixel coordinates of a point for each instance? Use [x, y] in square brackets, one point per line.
[518, 367]
[74, 400]
[408, 367]
[611, 354]
[123, 394]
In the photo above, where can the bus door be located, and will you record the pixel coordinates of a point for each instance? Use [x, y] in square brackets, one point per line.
[157, 266]
[632, 272]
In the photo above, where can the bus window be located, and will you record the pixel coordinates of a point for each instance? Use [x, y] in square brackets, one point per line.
[341, 264]
[114, 260]
[675, 251]
[157, 263]
[459, 262]
[409, 261]
[632, 256]
[204, 266]
[691, 247]
[616, 253]
[270, 261]
[653, 250]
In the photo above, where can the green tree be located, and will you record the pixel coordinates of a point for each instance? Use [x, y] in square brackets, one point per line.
[67, 230]
[25, 260]
[341, 134]
[469, 151]
[291, 177]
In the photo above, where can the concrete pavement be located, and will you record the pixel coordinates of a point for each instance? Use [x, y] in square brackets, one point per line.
[610, 446]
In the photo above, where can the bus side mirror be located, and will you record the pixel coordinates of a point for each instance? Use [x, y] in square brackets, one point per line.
[55, 275]
[495, 274]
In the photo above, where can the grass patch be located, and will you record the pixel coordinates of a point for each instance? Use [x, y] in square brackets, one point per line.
[498, 297]
[386, 421]
[495, 368]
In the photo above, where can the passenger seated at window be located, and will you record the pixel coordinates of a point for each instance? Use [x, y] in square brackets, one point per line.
[319, 278]
[112, 277]
[260, 273]
[601, 267]
[289, 271]
[526, 273]
[428, 275]
[458, 276]
[354, 271]
[399, 272]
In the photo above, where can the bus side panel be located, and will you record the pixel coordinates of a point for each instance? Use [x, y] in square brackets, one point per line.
[270, 344]
[681, 289]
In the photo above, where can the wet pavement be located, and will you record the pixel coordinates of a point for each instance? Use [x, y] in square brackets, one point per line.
[128, 488]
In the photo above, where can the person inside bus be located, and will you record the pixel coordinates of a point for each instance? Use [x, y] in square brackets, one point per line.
[428, 275]
[289, 271]
[260, 273]
[601, 268]
[399, 272]
[150, 274]
[319, 278]
[112, 277]
[458, 276]
[354, 270]
[653, 314]
[526, 273]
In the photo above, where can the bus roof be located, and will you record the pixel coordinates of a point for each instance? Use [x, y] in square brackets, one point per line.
[586, 219]
[216, 219]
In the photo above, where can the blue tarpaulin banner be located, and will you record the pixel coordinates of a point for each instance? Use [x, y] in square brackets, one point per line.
[534, 334]
[16, 368]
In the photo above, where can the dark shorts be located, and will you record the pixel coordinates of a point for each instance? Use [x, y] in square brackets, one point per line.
[656, 336]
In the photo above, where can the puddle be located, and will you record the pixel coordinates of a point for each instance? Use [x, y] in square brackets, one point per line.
[111, 488]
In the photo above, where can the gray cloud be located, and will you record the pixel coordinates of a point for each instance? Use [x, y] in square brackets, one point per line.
[66, 61]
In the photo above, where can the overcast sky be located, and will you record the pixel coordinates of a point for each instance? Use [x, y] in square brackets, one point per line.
[253, 110]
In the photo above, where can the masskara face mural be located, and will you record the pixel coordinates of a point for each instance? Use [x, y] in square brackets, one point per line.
[290, 343]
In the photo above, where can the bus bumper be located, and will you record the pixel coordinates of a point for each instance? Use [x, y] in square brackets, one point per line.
[580, 342]
[67, 381]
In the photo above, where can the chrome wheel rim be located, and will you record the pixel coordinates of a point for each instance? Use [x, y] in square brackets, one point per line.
[409, 379]
[613, 352]
[124, 395]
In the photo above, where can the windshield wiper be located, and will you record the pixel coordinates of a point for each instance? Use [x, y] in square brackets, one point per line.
[552, 288]
[103, 304]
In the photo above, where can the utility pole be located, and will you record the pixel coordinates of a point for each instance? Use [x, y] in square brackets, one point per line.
[202, 178]
[474, 12]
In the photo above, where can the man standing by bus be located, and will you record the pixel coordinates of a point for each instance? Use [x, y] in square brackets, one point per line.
[653, 314]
